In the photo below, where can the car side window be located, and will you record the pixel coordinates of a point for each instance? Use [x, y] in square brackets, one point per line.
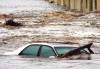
[30, 50]
[47, 51]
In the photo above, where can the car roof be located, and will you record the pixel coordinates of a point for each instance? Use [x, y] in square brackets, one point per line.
[57, 44]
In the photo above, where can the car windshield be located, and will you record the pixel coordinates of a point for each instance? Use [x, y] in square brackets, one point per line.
[63, 50]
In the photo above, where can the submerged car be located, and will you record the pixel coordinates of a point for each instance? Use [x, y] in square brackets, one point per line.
[48, 50]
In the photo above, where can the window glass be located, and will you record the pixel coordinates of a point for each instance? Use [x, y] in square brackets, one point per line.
[91, 5]
[63, 50]
[47, 51]
[31, 50]
[86, 3]
[95, 4]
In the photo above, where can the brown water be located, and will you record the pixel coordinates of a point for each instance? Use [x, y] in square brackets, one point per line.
[24, 62]
[45, 22]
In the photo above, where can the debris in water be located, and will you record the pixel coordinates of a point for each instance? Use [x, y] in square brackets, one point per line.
[77, 50]
[63, 15]
[12, 23]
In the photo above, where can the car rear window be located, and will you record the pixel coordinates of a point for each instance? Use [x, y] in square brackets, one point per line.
[63, 50]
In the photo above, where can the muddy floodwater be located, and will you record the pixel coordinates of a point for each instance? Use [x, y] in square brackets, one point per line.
[20, 62]
[46, 22]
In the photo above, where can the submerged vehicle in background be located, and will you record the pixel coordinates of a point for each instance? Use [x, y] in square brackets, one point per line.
[49, 50]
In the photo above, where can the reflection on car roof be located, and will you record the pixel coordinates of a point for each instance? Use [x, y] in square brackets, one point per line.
[57, 44]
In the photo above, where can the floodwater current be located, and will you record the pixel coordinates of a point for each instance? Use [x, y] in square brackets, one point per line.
[38, 28]
[24, 62]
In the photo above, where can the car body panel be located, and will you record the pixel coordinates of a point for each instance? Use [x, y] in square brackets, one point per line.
[16, 52]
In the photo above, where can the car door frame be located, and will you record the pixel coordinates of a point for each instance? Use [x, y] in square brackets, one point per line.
[30, 45]
[40, 49]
